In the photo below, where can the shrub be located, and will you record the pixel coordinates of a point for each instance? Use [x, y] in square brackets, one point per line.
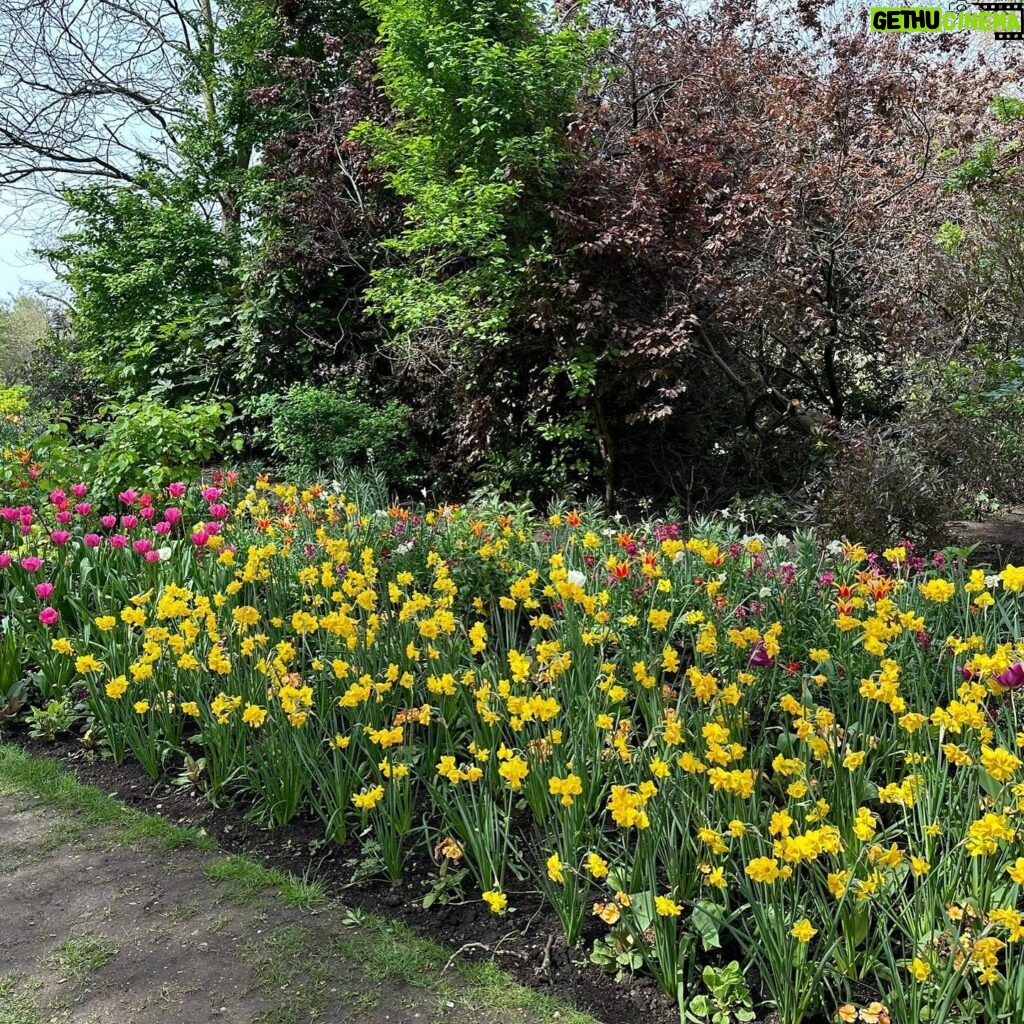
[314, 428]
[952, 449]
[139, 444]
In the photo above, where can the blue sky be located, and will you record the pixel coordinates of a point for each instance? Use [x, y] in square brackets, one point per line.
[19, 269]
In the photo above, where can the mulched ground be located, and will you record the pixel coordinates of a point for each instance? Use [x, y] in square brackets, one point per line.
[529, 945]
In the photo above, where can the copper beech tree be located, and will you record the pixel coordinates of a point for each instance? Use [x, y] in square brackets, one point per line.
[746, 252]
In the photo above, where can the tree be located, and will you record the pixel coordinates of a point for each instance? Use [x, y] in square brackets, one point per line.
[741, 249]
[480, 95]
[24, 323]
[154, 285]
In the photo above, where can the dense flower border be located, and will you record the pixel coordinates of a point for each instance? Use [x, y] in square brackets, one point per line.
[809, 753]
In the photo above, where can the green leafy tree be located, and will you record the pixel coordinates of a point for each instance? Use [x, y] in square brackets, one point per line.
[153, 282]
[480, 92]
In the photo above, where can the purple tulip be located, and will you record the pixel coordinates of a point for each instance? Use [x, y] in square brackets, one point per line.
[760, 658]
[1012, 678]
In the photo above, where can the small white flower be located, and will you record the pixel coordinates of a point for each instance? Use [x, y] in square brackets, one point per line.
[835, 547]
[404, 549]
[164, 553]
[992, 581]
[765, 592]
[576, 578]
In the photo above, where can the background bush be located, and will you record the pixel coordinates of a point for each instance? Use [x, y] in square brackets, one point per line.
[315, 428]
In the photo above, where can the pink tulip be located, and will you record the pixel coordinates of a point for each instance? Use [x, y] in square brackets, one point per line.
[5, 560]
[176, 490]
[127, 497]
[129, 522]
[172, 514]
[79, 490]
[83, 508]
[142, 546]
[44, 590]
[211, 493]
[10, 514]
[32, 563]
[219, 511]
[108, 521]
[163, 528]
[60, 537]
[152, 556]
[63, 517]
[92, 540]
[49, 616]
[119, 540]
[58, 497]
[148, 512]
[200, 537]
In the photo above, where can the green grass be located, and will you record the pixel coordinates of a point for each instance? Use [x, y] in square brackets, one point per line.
[166, 835]
[305, 893]
[393, 951]
[244, 879]
[293, 973]
[184, 913]
[16, 1005]
[22, 774]
[79, 955]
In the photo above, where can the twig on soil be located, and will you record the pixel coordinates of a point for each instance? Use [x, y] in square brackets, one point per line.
[545, 965]
[493, 950]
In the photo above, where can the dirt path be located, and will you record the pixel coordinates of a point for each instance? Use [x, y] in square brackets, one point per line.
[107, 920]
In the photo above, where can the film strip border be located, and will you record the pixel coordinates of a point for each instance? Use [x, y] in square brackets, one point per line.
[1018, 7]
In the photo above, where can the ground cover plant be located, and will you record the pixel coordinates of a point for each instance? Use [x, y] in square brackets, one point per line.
[798, 757]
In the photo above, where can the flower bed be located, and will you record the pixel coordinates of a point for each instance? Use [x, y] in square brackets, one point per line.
[719, 747]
